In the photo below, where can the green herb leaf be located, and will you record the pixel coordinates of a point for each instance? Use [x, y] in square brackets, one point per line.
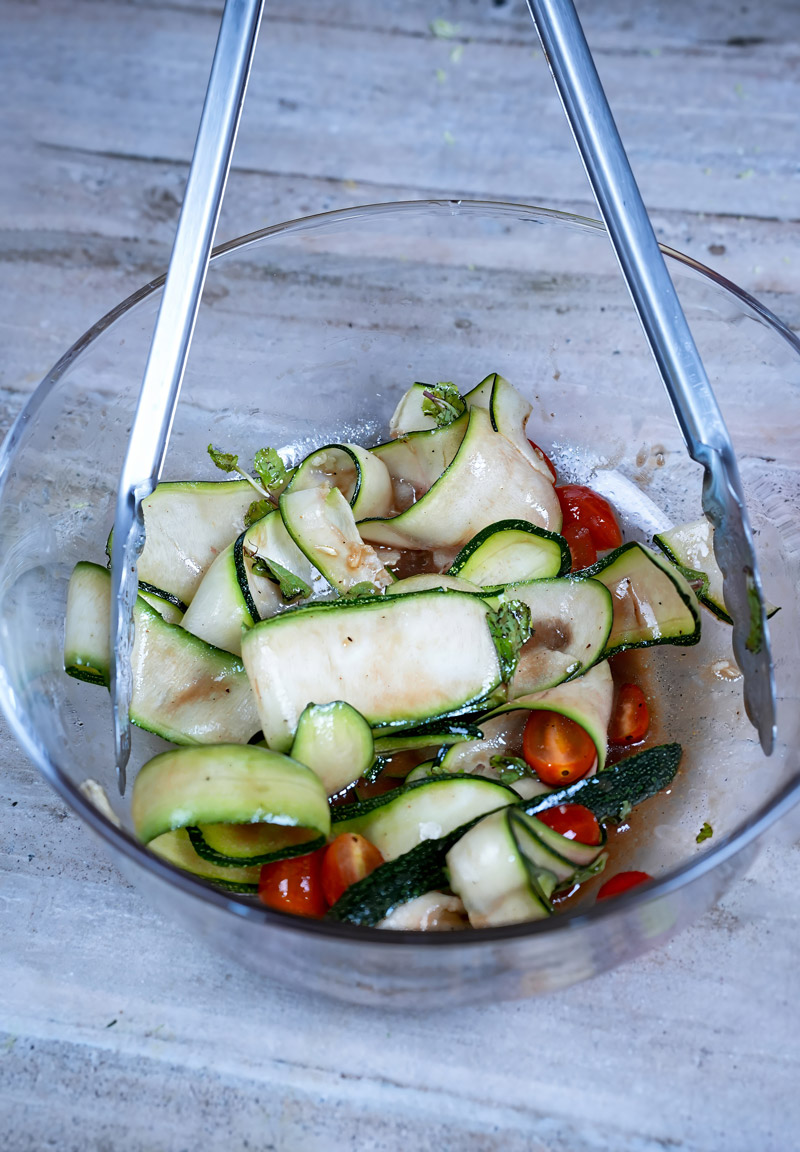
[225, 461]
[510, 768]
[257, 510]
[705, 833]
[443, 402]
[510, 626]
[270, 468]
[291, 586]
[363, 588]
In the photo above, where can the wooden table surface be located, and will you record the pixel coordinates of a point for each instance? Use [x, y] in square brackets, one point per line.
[118, 1031]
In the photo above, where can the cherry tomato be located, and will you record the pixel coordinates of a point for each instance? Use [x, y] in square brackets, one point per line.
[590, 510]
[572, 821]
[630, 719]
[294, 885]
[546, 459]
[581, 546]
[558, 749]
[621, 883]
[348, 858]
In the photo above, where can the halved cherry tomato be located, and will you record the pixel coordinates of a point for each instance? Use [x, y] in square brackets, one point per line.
[348, 858]
[294, 885]
[590, 510]
[558, 749]
[630, 719]
[546, 459]
[581, 546]
[621, 883]
[572, 821]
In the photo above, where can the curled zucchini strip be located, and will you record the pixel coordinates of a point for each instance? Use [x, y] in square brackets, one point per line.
[690, 547]
[512, 551]
[587, 700]
[183, 688]
[321, 523]
[233, 595]
[187, 524]
[488, 480]
[230, 784]
[506, 868]
[653, 603]
[360, 475]
[176, 847]
[418, 459]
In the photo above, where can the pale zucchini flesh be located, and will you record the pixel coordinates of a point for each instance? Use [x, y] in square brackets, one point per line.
[360, 475]
[399, 660]
[335, 742]
[571, 622]
[425, 810]
[320, 521]
[512, 551]
[653, 603]
[690, 547]
[488, 480]
[588, 701]
[183, 689]
[226, 784]
[187, 525]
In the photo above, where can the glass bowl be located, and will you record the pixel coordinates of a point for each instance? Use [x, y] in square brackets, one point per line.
[308, 333]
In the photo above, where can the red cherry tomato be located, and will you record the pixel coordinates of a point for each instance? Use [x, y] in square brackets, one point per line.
[621, 883]
[294, 885]
[630, 719]
[558, 749]
[348, 858]
[581, 546]
[590, 510]
[572, 821]
[546, 459]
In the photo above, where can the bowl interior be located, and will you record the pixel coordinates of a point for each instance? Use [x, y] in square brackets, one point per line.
[308, 334]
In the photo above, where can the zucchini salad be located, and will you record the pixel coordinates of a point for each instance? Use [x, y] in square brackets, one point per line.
[385, 671]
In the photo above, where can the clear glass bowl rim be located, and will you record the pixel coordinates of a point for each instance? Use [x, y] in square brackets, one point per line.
[120, 840]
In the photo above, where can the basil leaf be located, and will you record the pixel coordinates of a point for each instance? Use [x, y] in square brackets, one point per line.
[510, 626]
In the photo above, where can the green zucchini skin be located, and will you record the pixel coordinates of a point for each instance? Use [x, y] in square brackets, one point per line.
[550, 549]
[609, 795]
[462, 501]
[226, 784]
[335, 742]
[630, 562]
[690, 549]
[447, 662]
[187, 523]
[184, 689]
[398, 820]
[198, 841]
[176, 848]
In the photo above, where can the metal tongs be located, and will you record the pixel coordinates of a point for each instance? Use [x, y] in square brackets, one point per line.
[670, 339]
[172, 336]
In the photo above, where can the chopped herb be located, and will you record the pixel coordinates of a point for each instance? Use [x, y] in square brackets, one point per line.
[257, 510]
[443, 402]
[229, 462]
[225, 461]
[291, 586]
[510, 626]
[270, 468]
[625, 810]
[363, 588]
[705, 833]
[443, 29]
[510, 768]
